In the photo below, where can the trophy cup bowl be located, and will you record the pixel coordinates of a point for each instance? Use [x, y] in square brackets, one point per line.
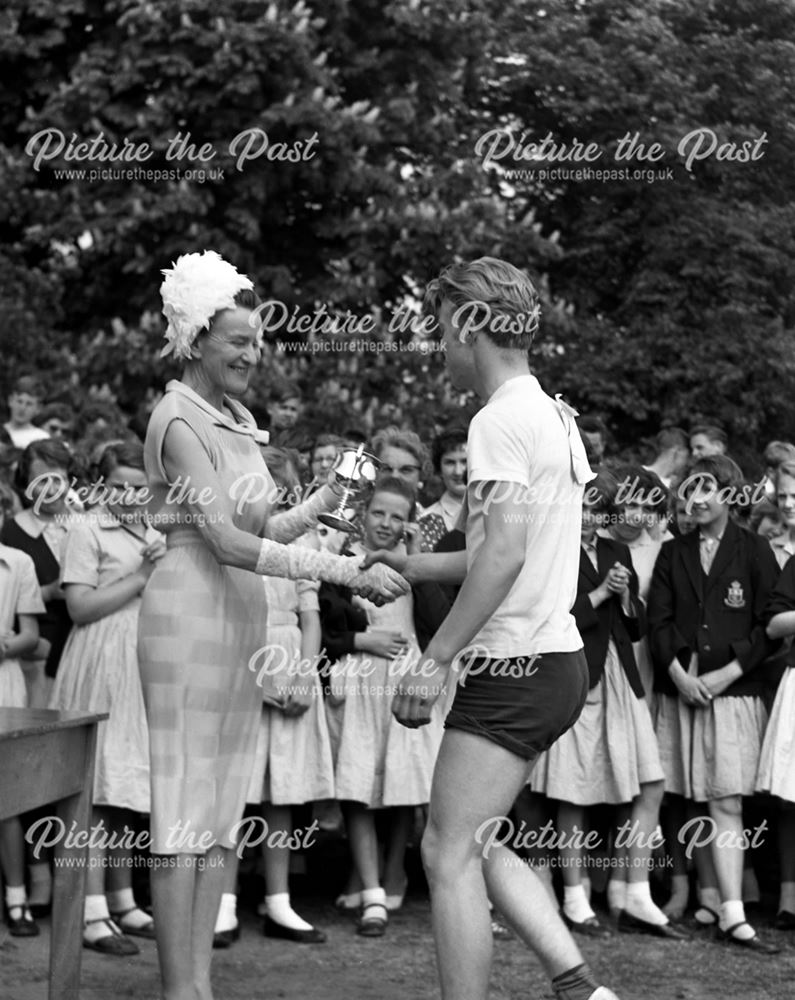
[356, 471]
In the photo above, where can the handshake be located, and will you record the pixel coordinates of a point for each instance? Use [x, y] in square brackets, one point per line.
[380, 577]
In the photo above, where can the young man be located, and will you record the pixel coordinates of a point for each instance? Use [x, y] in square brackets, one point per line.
[23, 405]
[526, 471]
[706, 440]
[672, 454]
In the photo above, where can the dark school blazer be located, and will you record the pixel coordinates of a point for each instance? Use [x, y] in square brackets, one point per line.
[720, 616]
[598, 625]
[340, 619]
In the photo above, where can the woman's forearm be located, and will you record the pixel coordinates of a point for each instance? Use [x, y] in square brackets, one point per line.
[290, 524]
[781, 625]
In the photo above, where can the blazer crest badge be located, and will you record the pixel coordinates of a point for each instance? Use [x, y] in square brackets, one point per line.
[735, 598]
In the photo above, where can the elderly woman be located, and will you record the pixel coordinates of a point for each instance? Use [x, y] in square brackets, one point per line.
[203, 615]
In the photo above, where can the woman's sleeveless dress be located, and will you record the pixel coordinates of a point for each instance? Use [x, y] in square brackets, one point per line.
[200, 625]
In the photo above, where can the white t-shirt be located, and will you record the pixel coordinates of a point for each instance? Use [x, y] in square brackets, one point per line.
[21, 437]
[524, 436]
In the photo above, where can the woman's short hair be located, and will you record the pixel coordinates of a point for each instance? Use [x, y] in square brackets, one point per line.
[327, 441]
[449, 440]
[501, 295]
[398, 487]
[643, 487]
[129, 454]
[761, 510]
[785, 469]
[284, 465]
[724, 470]
[51, 451]
[601, 492]
[394, 437]
[777, 452]
[246, 298]
[283, 390]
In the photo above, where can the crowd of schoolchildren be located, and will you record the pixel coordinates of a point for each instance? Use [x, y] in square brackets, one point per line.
[686, 607]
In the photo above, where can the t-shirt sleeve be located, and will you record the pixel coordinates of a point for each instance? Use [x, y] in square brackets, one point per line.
[495, 452]
[81, 557]
[29, 600]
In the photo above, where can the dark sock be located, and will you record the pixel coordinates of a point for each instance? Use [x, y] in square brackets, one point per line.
[576, 984]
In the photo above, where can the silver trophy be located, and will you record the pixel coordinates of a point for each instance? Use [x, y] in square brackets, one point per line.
[355, 472]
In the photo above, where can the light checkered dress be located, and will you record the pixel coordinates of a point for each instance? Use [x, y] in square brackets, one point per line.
[200, 623]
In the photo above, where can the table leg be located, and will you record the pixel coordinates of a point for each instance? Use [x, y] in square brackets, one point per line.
[66, 943]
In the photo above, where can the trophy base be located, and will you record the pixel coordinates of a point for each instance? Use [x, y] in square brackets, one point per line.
[337, 522]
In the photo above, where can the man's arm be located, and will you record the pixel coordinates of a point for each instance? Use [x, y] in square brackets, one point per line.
[492, 574]
[436, 567]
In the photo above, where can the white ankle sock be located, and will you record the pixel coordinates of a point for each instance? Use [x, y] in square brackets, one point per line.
[227, 913]
[96, 909]
[616, 895]
[575, 904]
[640, 904]
[374, 897]
[733, 912]
[123, 901]
[278, 908]
[16, 900]
[585, 882]
[786, 900]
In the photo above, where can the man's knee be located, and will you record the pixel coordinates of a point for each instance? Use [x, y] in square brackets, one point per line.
[445, 857]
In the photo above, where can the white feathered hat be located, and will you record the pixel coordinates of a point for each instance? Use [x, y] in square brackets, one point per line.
[194, 289]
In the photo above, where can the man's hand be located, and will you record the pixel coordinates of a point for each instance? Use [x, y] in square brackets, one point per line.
[388, 557]
[379, 584]
[418, 691]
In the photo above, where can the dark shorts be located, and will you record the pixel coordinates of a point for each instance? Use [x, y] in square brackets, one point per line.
[523, 704]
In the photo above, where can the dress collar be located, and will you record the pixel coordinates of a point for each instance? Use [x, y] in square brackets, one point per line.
[242, 422]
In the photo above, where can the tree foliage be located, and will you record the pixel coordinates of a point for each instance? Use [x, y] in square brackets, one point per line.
[663, 302]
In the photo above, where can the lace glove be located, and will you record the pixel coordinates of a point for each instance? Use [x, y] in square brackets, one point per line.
[379, 583]
[290, 524]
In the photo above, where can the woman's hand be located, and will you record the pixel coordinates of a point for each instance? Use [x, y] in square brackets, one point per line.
[692, 690]
[617, 579]
[52, 592]
[152, 553]
[295, 704]
[412, 536]
[379, 584]
[718, 681]
[383, 643]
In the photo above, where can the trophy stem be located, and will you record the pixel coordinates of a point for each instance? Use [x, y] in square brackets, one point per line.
[336, 519]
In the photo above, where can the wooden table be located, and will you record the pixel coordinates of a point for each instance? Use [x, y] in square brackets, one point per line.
[48, 757]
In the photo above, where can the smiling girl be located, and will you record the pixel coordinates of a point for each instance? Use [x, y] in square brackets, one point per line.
[379, 763]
